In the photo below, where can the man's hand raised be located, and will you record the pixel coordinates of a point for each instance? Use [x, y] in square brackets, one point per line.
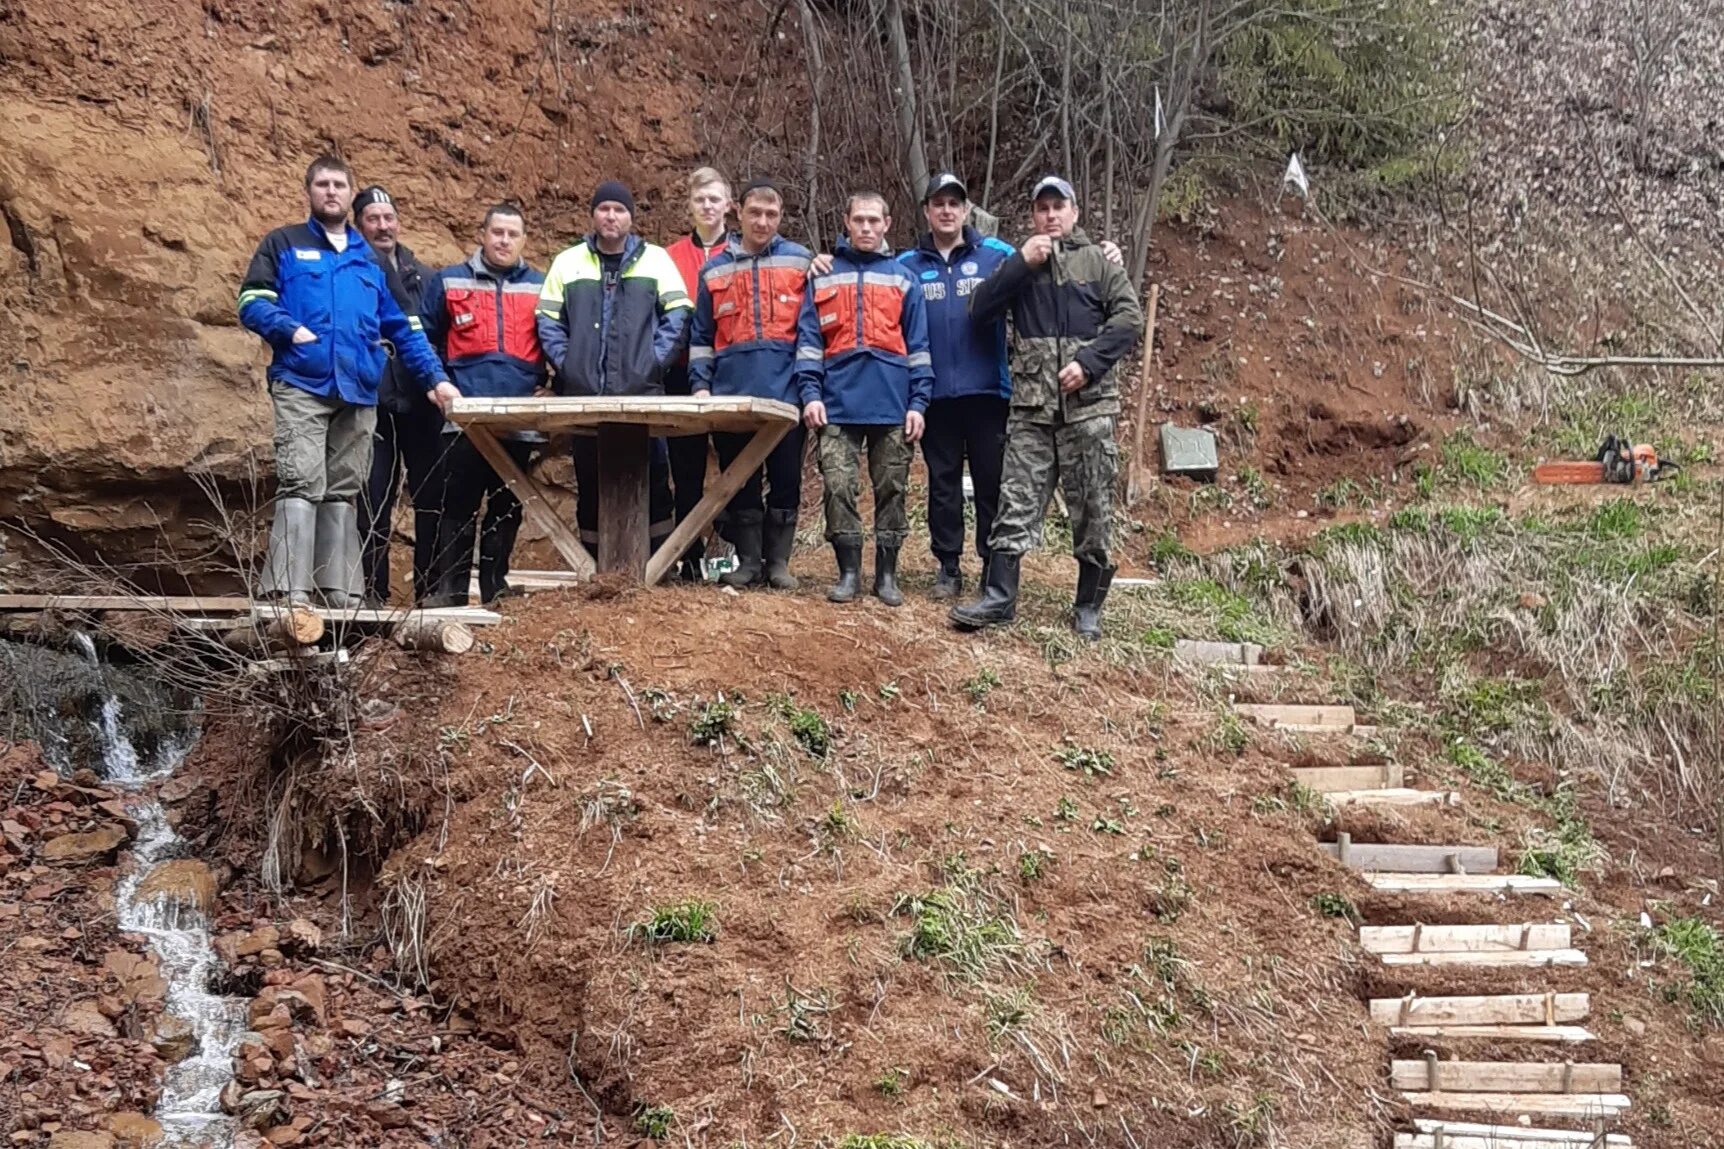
[1036, 249]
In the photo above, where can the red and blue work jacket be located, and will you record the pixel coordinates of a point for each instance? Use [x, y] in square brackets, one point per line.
[481, 321]
[743, 341]
[862, 340]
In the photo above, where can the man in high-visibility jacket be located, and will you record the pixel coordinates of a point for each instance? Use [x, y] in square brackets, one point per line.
[744, 343]
[314, 293]
[865, 377]
[613, 316]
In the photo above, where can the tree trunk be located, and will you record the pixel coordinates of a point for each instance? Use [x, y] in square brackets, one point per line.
[811, 146]
[994, 119]
[909, 122]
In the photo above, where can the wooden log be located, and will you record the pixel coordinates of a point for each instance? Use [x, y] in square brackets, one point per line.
[1393, 858]
[623, 474]
[1308, 718]
[1431, 1075]
[441, 636]
[1329, 779]
[283, 632]
[1495, 1009]
[1557, 1034]
[1517, 1136]
[1582, 1105]
[1507, 884]
[391, 616]
[336, 657]
[191, 604]
[1452, 939]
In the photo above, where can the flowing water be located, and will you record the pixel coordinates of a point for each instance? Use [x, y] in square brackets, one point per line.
[91, 696]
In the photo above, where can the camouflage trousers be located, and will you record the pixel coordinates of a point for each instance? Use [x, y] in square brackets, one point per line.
[1083, 458]
[888, 471]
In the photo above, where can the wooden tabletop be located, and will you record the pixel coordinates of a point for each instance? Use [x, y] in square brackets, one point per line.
[660, 414]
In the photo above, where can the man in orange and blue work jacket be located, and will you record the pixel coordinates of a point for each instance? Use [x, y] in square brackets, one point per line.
[480, 315]
[743, 342]
[865, 377]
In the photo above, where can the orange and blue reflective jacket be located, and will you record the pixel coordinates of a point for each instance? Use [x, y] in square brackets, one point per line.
[743, 340]
[862, 340]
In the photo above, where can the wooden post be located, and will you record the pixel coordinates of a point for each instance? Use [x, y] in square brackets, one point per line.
[1134, 483]
[533, 503]
[717, 494]
[623, 471]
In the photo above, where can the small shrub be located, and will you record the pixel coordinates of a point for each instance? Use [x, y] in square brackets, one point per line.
[655, 1121]
[806, 725]
[715, 721]
[1092, 763]
[891, 1082]
[980, 684]
[1335, 906]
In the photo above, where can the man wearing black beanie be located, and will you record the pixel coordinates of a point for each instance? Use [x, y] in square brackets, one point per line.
[612, 317]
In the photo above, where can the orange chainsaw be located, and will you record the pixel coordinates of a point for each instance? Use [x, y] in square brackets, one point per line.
[1618, 461]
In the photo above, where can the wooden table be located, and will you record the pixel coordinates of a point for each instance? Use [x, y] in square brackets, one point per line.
[625, 430]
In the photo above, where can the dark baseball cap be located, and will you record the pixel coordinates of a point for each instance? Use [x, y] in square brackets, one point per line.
[1053, 184]
[946, 183]
[371, 195]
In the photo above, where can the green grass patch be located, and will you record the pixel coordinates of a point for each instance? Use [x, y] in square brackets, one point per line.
[1697, 945]
[1090, 762]
[1233, 616]
[713, 722]
[980, 684]
[807, 725]
[655, 1121]
[1332, 905]
[961, 928]
[1466, 461]
[692, 920]
[883, 1141]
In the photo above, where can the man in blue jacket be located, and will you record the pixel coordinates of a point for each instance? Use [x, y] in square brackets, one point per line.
[972, 387]
[743, 342]
[480, 315]
[322, 303]
[865, 377]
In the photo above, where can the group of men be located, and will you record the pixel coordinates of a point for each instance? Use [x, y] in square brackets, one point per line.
[880, 351]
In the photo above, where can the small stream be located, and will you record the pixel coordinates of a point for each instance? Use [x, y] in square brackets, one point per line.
[85, 713]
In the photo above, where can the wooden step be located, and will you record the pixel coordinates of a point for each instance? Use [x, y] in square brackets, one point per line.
[1504, 1076]
[1218, 653]
[1508, 885]
[1330, 779]
[1392, 796]
[1506, 959]
[1556, 1034]
[1311, 718]
[1388, 857]
[1494, 1009]
[1452, 939]
[1466, 1135]
[1582, 1105]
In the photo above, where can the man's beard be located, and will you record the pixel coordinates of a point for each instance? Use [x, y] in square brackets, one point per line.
[329, 220]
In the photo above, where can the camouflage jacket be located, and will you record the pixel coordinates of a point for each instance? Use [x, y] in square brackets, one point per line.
[1075, 306]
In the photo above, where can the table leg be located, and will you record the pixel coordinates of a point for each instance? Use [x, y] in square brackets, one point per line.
[718, 493]
[624, 467]
[533, 502]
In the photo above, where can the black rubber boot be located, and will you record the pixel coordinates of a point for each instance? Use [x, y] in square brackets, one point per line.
[949, 582]
[849, 584]
[1092, 584]
[745, 533]
[886, 576]
[999, 602]
[780, 540]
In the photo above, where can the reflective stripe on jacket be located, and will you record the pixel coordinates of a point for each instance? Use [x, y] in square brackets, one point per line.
[613, 338]
[484, 324]
[862, 340]
[743, 338]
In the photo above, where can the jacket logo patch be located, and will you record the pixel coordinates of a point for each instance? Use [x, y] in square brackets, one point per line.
[930, 274]
[725, 308]
[965, 286]
[463, 318]
[933, 292]
[829, 319]
[969, 267]
[307, 253]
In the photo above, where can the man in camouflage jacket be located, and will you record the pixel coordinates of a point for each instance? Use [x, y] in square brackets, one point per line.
[1074, 317]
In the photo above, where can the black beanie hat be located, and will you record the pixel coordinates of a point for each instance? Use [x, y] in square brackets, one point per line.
[371, 195]
[612, 191]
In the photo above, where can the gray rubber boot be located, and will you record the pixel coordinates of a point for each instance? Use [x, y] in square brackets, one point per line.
[780, 541]
[336, 557]
[287, 571]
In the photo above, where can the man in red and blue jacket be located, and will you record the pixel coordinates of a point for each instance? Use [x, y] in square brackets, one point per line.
[480, 315]
[865, 377]
[314, 293]
[972, 385]
[743, 342]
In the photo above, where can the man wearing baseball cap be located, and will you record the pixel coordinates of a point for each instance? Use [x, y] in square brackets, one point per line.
[613, 317]
[1075, 316]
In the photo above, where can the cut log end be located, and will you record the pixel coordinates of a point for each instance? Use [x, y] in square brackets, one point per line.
[440, 636]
